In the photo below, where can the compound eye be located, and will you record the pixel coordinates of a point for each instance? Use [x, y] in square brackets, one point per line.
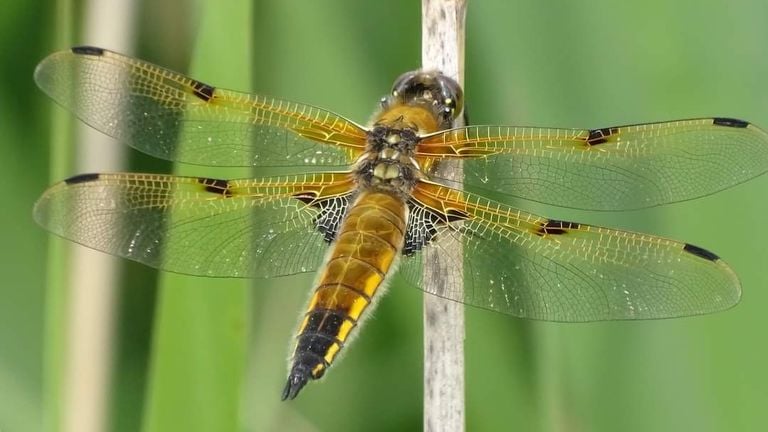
[401, 83]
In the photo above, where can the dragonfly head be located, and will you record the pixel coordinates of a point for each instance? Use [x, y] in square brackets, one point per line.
[430, 89]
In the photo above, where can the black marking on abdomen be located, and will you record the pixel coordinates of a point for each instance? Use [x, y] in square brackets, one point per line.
[88, 50]
[729, 122]
[203, 90]
[316, 344]
[556, 227]
[316, 338]
[217, 186]
[82, 178]
[599, 136]
[700, 252]
[325, 321]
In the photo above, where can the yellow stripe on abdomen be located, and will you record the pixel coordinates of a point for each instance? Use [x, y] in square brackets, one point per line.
[368, 242]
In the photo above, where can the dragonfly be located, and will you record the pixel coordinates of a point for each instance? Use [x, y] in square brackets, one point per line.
[363, 202]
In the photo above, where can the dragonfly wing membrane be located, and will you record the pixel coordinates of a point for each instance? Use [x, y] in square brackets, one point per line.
[173, 117]
[616, 168]
[532, 267]
[200, 226]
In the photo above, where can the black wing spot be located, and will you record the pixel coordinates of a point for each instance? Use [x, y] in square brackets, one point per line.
[217, 186]
[332, 211]
[556, 227]
[454, 215]
[203, 90]
[82, 178]
[700, 252]
[88, 50]
[599, 136]
[729, 122]
[306, 197]
[423, 225]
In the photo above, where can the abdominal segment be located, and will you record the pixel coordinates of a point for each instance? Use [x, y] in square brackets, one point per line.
[366, 247]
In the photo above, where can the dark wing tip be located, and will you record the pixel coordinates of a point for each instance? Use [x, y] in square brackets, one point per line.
[81, 178]
[700, 252]
[88, 50]
[297, 379]
[729, 122]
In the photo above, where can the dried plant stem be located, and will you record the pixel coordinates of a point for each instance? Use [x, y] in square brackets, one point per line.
[443, 49]
[93, 275]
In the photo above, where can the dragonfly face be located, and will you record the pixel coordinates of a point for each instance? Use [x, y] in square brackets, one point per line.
[432, 90]
[373, 201]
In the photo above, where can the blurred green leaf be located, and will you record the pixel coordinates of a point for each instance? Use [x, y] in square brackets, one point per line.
[201, 330]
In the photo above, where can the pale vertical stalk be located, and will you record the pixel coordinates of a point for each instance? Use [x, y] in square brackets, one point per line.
[442, 49]
[93, 275]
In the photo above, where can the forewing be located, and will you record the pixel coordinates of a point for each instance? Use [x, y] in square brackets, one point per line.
[532, 267]
[171, 116]
[200, 226]
[616, 168]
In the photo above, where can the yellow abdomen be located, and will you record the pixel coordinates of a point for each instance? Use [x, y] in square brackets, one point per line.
[364, 252]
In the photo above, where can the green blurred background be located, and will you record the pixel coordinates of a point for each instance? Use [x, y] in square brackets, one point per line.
[196, 354]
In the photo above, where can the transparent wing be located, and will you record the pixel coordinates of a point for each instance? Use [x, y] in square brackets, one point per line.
[616, 168]
[532, 267]
[171, 116]
[200, 226]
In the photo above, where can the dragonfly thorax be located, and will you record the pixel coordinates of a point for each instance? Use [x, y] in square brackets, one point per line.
[388, 163]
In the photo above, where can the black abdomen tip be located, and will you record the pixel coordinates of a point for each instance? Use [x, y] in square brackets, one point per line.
[297, 379]
[88, 50]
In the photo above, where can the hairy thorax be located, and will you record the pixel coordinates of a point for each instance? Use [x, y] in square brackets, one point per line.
[421, 102]
[388, 164]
